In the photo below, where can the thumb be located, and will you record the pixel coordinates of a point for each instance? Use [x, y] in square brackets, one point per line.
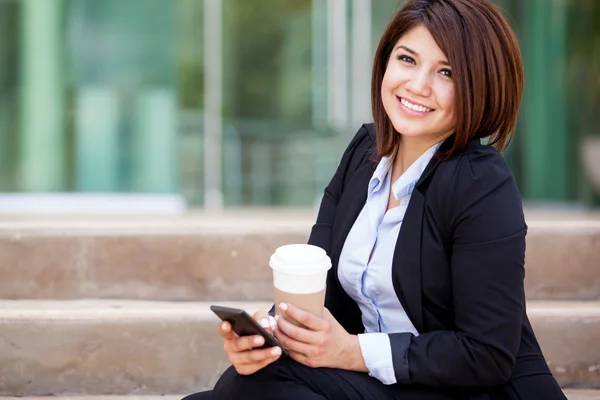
[226, 332]
[264, 320]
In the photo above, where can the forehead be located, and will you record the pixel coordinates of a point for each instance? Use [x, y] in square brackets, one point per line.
[420, 40]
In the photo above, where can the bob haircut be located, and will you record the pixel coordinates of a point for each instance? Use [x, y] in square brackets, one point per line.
[487, 70]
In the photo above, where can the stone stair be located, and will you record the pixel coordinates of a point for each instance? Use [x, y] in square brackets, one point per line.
[121, 307]
[131, 397]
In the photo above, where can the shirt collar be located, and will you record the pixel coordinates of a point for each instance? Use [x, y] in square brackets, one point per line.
[379, 175]
[407, 182]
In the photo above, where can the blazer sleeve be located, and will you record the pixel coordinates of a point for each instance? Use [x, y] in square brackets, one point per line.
[485, 219]
[358, 148]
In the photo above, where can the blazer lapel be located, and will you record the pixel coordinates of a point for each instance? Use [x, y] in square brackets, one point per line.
[406, 264]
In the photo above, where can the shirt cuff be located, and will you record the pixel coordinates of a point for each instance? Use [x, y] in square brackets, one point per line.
[376, 351]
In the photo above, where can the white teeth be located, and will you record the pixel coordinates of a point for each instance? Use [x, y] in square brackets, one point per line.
[414, 106]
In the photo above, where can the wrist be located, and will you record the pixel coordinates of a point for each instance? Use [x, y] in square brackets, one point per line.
[354, 360]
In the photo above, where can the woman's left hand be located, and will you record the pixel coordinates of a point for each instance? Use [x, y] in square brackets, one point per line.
[323, 343]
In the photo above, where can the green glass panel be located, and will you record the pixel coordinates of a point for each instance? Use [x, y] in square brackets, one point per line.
[108, 95]
[123, 56]
[42, 152]
[9, 89]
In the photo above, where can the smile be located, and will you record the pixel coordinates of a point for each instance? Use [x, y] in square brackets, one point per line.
[415, 107]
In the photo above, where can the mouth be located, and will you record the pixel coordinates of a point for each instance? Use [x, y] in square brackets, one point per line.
[414, 107]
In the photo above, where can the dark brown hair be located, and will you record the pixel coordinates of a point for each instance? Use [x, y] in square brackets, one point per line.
[486, 62]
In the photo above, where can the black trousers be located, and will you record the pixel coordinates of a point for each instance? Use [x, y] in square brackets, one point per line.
[289, 380]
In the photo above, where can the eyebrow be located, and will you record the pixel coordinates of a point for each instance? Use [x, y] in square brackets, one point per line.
[414, 53]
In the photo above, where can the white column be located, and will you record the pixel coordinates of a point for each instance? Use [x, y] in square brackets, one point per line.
[320, 100]
[155, 138]
[97, 117]
[362, 60]
[337, 40]
[213, 125]
[320, 94]
[42, 112]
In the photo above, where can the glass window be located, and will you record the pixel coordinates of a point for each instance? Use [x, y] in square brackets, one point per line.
[251, 103]
[9, 93]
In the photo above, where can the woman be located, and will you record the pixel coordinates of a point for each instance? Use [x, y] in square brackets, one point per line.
[425, 229]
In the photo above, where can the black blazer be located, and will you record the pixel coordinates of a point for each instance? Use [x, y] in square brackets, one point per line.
[458, 271]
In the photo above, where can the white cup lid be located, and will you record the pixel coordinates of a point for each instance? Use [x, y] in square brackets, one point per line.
[301, 259]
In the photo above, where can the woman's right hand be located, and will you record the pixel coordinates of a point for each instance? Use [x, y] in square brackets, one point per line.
[242, 351]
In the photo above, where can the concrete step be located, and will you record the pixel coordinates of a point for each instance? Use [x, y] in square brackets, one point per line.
[582, 394]
[224, 256]
[131, 397]
[103, 347]
[112, 347]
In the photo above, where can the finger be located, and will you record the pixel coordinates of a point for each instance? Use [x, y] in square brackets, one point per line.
[298, 333]
[264, 320]
[274, 357]
[246, 343]
[257, 356]
[226, 332]
[302, 359]
[268, 324]
[247, 369]
[305, 318]
[293, 345]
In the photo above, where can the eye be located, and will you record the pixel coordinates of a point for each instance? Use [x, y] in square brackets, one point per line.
[405, 58]
[446, 72]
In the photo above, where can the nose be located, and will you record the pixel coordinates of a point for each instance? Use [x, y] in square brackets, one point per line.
[420, 83]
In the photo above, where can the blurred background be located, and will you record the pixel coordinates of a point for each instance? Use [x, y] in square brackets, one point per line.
[250, 103]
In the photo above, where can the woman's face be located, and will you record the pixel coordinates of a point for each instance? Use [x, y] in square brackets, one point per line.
[417, 89]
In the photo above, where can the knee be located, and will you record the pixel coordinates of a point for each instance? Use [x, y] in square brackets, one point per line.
[199, 396]
[232, 385]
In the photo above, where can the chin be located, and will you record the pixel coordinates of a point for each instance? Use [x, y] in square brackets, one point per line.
[411, 131]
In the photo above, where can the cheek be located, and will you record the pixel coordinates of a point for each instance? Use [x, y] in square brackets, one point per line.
[386, 85]
[387, 88]
[391, 79]
[449, 102]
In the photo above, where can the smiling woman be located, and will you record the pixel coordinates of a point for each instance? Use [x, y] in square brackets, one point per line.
[487, 65]
[425, 230]
[417, 90]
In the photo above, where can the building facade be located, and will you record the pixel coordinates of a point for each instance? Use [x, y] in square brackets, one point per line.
[251, 102]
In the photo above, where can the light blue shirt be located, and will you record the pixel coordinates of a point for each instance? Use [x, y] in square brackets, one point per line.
[365, 266]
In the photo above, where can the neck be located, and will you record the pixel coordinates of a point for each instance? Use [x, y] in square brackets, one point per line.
[409, 150]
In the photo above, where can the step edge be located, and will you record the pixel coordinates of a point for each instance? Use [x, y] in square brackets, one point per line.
[110, 309]
[115, 309]
[231, 225]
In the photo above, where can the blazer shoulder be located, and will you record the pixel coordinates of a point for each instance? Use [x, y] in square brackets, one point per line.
[370, 127]
[361, 147]
[364, 139]
[478, 162]
[473, 174]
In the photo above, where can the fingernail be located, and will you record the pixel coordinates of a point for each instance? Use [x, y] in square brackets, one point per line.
[258, 340]
[283, 306]
[276, 351]
[224, 326]
[277, 318]
[264, 322]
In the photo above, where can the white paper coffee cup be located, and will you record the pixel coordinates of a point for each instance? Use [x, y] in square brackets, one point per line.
[300, 268]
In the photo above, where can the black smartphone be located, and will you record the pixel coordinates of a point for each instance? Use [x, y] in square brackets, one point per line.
[244, 325]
